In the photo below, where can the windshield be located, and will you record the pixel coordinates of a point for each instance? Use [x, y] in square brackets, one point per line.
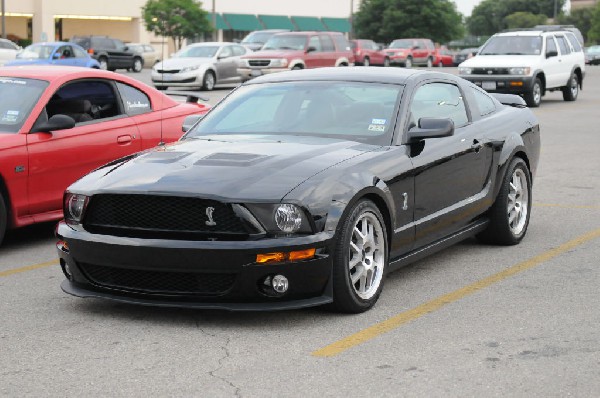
[198, 52]
[593, 50]
[513, 45]
[285, 42]
[401, 44]
[36, 51]
[17, 98]
[363, 112]
[257, 37]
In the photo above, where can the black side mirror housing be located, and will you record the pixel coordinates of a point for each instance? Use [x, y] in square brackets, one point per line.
[56, 122]
[550, 54]
[311, 49]
[189, 122]
[430, 127]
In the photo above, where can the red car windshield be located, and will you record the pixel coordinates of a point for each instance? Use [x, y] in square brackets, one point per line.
[17, 98]
[401, 44]
[285, 42]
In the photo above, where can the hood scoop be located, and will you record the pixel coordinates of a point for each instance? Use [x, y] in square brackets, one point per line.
[231, 159]
[162, 157]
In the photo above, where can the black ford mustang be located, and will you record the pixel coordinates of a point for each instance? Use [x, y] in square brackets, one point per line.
[304, 188]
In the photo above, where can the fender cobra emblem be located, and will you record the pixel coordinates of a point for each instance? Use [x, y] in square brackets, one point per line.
[209, 214]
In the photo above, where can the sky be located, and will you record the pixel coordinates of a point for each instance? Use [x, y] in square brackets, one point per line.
[466, 6]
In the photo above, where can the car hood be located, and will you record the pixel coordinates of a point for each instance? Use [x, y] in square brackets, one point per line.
[501, 61]
[275, 54]
[244, 168]
[179, 63]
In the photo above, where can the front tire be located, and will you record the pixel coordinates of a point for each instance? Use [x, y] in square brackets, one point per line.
[510, 213]
[103, 61]
[208, 81]
[360, 259]
[533, 97]
[571, 90]
[386, 62]
[429, 62]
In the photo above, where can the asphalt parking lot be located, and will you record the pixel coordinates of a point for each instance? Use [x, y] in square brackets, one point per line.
[473, 320]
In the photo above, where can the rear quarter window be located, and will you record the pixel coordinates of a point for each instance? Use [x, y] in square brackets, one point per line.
[135, 101]
[485, 104]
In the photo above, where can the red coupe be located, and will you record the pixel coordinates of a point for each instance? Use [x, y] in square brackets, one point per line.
[59, 123]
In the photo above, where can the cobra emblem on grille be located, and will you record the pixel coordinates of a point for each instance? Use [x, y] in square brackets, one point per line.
[209, 214]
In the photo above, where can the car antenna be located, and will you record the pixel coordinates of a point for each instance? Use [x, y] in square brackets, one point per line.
[162, 77]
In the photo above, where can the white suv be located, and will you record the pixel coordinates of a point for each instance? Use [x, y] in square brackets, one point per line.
[529, 63]
[8, 51]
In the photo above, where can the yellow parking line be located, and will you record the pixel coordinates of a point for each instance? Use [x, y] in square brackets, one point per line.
[392, 323]
[567, 206]
[27, 268]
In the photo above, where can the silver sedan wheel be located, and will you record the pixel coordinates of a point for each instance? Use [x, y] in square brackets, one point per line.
[518, 202]
[367, 256]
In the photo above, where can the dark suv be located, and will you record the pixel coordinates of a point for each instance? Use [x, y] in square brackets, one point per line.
[111, 53]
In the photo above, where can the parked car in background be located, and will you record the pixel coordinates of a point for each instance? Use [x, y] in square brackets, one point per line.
[302, 189]
[443, 57]
[111, 54]
[367, 52]
[409, 52]
[58, 123]
[255, 40]
[200, 65]
[8, 51]
[150, 55]
[529, 63]
[592, 55]
[297, 50]
[55, 53]
[464, 54]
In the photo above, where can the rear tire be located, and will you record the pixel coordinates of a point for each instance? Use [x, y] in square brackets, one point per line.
[103, 61]
[138, 65]
[408, 63]
[366, 62]
[360, 259]
[571, 90]
[510, 213]
[534, 96]
[386, 62]
[3, 218]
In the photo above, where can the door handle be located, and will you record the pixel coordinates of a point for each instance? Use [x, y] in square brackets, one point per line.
[124, 139]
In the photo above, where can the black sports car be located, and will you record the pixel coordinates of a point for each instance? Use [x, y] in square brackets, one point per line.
[304, 188]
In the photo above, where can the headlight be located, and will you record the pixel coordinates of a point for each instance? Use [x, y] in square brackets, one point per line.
[74, 206]
[519, 71]
[279, 63]
[190, 68]
[281, 218]
[465, 71]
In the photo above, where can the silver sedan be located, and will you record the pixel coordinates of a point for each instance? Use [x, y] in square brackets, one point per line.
[200, 65]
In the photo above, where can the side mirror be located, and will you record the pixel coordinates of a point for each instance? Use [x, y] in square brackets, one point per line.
[56, 122]
[430, 127]
[125, 48]
[550, 54]
[190, 121]
[416, 47]
[55, 56]
[311, 49]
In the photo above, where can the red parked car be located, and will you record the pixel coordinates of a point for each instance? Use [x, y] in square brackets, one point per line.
[444, 57]
[367, 52]
[59, 123]
[409, 52]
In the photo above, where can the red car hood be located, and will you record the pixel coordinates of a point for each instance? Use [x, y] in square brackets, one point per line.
[275, 54]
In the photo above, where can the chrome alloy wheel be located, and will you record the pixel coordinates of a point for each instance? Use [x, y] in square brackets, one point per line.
[574, 87]
[518, 202]
[537, 93]
[367, 256]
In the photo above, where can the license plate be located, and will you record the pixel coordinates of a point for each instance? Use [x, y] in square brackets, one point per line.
[256, 73]
[488, 85]
[167, 77]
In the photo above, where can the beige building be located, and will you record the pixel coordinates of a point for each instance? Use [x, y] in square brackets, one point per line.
[49, 20]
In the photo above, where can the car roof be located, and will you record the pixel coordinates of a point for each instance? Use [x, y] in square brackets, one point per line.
[53, 72]
[371, 75]
[211, 43]
[521, 33]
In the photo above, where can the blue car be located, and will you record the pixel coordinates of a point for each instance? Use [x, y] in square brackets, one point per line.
[55, 53]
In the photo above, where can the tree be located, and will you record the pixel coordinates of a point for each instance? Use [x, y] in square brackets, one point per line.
[523, 19]
[488, 17]
[387, 20]
[581, 18]
[177, 19]
[594, 32]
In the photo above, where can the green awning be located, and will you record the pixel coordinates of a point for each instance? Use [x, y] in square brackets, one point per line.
[245, 22]
[309, 23]
[221, 25]
[337, 24]
[276, 22]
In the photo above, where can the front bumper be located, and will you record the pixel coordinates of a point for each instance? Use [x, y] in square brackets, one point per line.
[193, 274]
[185, 79]
[250, 73]
[397, 59]
[502, 83]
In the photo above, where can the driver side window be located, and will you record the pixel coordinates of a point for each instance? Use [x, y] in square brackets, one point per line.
[439, 100]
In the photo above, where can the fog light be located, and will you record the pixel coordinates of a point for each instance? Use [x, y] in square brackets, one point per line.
[280, 283]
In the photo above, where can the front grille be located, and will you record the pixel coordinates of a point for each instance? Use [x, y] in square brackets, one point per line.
[163, 217]
[167, 71]
[490, 71]
[158, 282]
[259, 62]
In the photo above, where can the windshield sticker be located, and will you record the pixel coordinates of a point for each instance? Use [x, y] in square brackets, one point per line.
[378, 121]
[376, 127]
[12, 81]
[9, 117]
